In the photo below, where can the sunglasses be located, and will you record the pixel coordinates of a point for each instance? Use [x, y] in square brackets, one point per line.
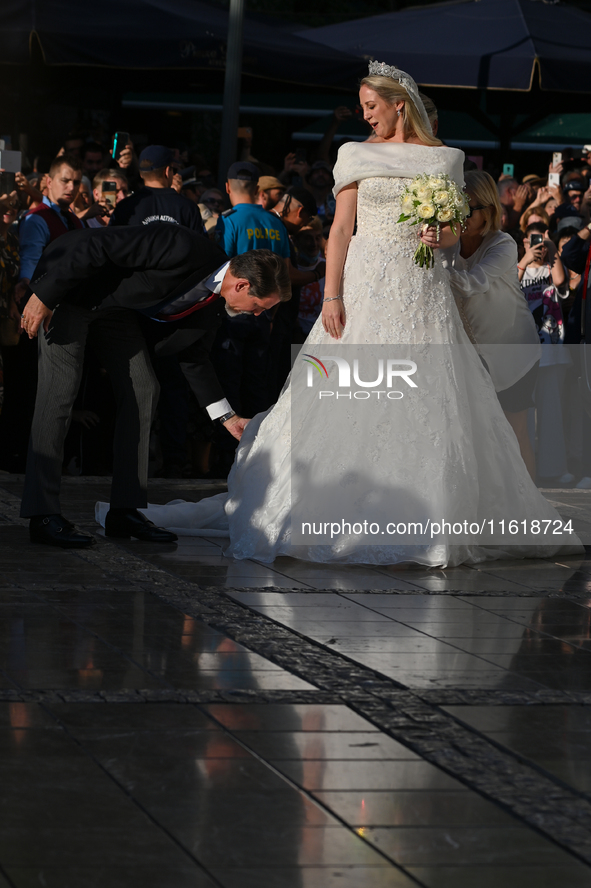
[473, 209]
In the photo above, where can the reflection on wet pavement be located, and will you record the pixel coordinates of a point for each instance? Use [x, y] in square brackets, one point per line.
[441, 642]
[111, 773]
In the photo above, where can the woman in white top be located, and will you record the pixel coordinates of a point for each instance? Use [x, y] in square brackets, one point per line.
[483, 273]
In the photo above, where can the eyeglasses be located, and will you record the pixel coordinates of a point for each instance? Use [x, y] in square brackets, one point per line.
[473, 209]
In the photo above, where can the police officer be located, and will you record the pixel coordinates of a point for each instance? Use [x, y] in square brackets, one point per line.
[240, 354]
[247, 226]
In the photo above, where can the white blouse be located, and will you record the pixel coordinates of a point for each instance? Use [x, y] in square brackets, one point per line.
[486, 287]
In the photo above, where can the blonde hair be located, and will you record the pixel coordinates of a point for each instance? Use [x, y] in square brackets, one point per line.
[391, 91]
[534, 211]
[430, 108]
[484, 189]
[108, 176]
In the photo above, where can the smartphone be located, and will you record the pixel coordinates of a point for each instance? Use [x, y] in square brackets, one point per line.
[109, 190]
[7, 183]
[10, 161]
[508, 169]
[536, 239]
[554, 179]
[556, 158]
[244, 132]
[300, 157]
[120, 142]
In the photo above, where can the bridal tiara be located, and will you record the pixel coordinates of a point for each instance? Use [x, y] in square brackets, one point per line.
[406, 81]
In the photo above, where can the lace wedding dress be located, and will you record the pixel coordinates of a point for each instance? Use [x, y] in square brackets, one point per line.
[451, 454]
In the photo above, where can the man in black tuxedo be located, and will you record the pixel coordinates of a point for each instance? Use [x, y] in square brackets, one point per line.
[89, 286]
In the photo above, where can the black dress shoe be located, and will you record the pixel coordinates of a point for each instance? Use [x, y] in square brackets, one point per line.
[126, 523]
[55, 530]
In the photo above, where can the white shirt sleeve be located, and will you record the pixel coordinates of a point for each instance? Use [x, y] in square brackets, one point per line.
[218, 409]
[497, 261]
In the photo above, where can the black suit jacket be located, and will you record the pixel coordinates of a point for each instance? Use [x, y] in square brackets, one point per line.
[139, 267]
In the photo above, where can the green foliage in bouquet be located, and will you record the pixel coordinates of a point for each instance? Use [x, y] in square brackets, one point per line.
[433, 201]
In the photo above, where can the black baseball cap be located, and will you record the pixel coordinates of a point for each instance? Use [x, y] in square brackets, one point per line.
[303, 196]
[574, 185]
[245, 171]
[156, 157]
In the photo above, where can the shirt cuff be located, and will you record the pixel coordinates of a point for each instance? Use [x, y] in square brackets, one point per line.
[218, 409]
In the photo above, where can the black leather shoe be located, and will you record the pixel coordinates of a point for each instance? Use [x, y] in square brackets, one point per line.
[126, 523]
[55, 530]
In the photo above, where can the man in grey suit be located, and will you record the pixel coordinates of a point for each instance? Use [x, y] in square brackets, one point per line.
[88, 285]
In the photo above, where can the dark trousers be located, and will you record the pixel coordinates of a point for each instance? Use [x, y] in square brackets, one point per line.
[240, 358]
[121, 349]
[20, 384]
[173, 410]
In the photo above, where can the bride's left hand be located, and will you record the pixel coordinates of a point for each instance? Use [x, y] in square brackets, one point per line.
[333, 317]
[447, 238]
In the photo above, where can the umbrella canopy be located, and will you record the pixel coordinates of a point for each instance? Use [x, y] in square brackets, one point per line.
[184, 34]
[491, 44]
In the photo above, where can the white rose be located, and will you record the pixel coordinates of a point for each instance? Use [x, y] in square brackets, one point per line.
[424, 193]
[442, 198]
[426, 211]
[408, 204]
[444, 215]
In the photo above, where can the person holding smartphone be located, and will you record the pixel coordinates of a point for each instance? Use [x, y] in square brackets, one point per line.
[544, 284]
[110, 187]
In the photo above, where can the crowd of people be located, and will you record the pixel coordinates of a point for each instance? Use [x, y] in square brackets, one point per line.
[549, 218]
[288, 211]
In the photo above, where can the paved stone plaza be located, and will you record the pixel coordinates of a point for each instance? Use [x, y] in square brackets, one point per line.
[172, 719]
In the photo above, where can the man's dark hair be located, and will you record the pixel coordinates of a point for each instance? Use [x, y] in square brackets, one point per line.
[265, 271]
[536, 228]
[302, 196]
[569, 232]
[93, 147]
[61, 160]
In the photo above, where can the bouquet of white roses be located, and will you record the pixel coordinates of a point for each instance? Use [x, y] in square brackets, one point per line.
[432, 200]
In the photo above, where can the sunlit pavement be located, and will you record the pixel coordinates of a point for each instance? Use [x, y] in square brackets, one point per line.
[170, 718]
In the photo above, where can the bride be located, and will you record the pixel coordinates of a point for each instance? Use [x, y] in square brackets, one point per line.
[445, 451]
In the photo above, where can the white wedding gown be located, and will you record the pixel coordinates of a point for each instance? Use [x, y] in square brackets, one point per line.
[450, 454]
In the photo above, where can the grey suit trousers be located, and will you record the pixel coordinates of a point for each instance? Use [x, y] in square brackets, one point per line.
[120, 346]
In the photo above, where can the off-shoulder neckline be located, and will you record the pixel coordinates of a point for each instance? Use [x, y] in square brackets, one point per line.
[410, 144]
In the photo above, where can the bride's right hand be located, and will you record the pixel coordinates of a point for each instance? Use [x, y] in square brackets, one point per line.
[334, 318]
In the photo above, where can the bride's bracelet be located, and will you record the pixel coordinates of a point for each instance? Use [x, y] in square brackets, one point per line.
[331, 299]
